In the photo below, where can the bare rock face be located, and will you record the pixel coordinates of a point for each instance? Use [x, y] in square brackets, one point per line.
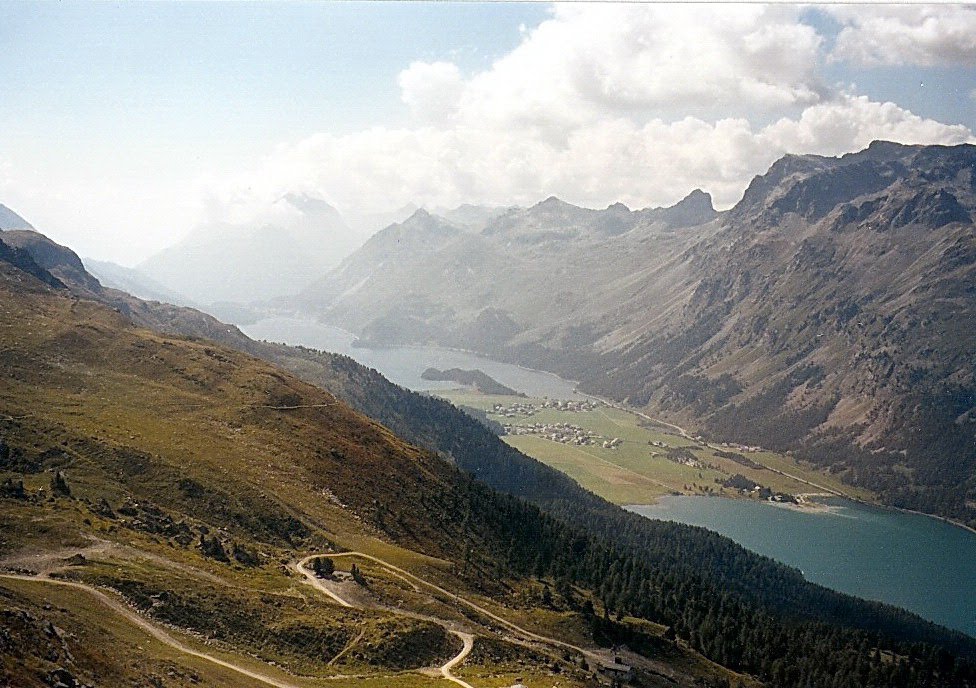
[828, 316]
[58, 260]
[22, 259]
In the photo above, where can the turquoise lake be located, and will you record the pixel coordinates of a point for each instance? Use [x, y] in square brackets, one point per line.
[919, 563]
[922, 564]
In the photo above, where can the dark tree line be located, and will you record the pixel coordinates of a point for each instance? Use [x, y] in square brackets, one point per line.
[785, 643]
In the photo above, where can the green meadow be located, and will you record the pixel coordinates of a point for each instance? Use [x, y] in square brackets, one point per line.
[650, 460]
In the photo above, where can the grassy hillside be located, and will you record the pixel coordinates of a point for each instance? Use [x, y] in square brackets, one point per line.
[717, 566]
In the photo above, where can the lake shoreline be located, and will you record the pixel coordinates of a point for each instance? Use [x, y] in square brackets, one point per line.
[317, 334]
[827, 491]
[869, 551]
[812, 506]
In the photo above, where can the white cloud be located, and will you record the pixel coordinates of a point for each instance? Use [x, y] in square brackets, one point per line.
[591, 61]
[596, 163]
[906, 35]
[600, 103]
[853, 122]
[592, 107]
[431, 90]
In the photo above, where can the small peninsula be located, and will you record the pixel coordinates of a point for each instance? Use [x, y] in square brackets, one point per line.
[470, 378]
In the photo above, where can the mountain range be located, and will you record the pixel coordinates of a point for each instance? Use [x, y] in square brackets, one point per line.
[829, 313]
[151, 452]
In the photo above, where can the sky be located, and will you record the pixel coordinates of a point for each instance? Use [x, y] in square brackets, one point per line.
[125, 126]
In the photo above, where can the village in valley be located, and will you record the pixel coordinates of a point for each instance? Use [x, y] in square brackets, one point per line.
[565, 433]
[629, 458]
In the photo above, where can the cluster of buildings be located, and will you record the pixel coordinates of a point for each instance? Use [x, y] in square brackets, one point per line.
[566, 433]
[741, 447]
[571, 405]
[688, 460]
[519, 408]
[512, 410]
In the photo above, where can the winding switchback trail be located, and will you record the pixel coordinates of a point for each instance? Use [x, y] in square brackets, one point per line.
[468, 642]
[163, 635]
[409, 577]
[467, 639]
[151, 628]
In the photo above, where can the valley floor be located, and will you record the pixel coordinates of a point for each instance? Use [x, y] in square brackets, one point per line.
[628, 457]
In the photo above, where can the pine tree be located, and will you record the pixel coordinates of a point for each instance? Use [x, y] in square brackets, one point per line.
[546, 596]
[323, 567]
[59, 486]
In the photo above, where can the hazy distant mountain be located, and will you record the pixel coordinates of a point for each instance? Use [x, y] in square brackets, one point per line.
[11, 220]
[300, 239]
[133, 281]
[474, 217]
[831, 311]
[399, 247]
[487, 289]
[367, 224]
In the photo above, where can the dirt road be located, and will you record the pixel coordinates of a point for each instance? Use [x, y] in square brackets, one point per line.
[409, 577]
[151, 628]
[467, 639]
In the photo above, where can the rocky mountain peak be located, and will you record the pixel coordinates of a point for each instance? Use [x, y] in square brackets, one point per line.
[885, 150]
[554, 205]
[694, 209]
[811, 187]
[60, 261]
